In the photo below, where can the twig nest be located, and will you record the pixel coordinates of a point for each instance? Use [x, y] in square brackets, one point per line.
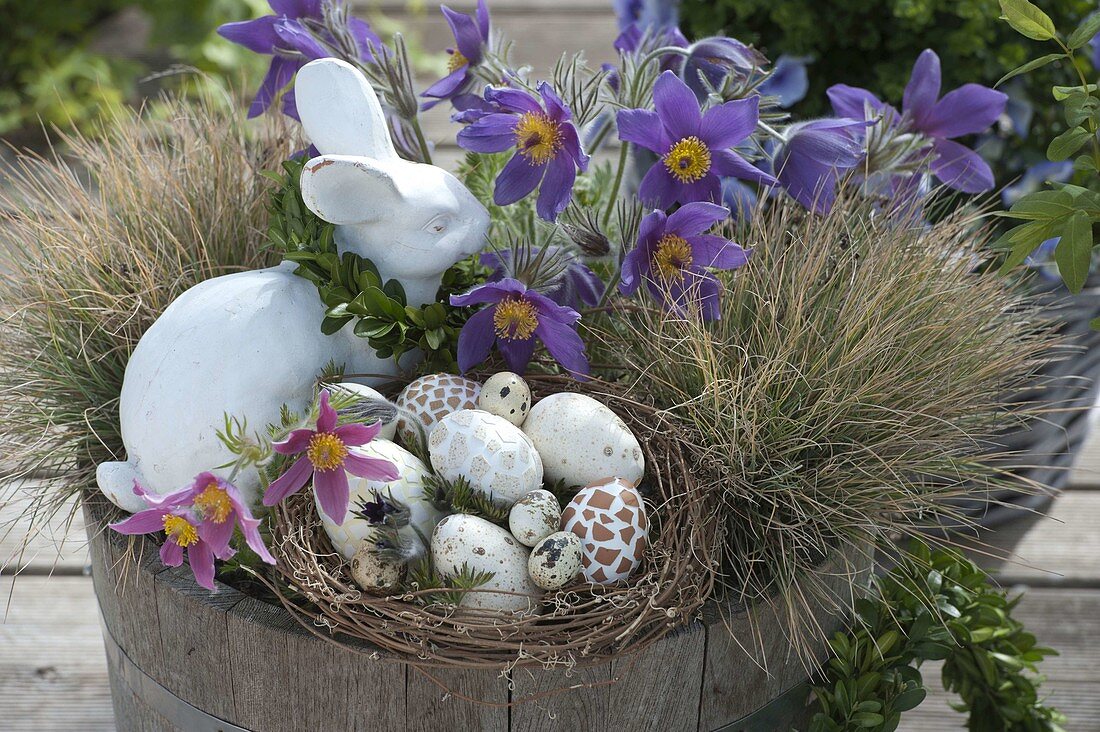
[581, 440]
[490, 452]
[461, 540]
[372, 571]
[389, 429]
[408, 489]
[506, 395]
[556, 560]
[534, 516]
[610, 520]
[430, 398]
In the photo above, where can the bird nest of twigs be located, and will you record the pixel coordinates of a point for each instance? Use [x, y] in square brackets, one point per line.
[577, 625]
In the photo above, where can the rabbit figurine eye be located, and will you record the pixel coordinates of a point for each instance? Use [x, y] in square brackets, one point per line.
[438, 224]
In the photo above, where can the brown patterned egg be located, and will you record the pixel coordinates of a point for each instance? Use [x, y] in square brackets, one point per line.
[610, 519]
[430, 399]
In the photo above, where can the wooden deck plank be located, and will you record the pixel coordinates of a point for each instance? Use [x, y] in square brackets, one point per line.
[58, 545]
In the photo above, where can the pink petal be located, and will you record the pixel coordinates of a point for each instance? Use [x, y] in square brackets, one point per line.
[250, 529]
[143, 522]
[201, 560]
[296, 442]
[217, 535]
[289, 482]
[357, 434]
[371, 468]
[326, 419]
[331, 488]
[171, 554]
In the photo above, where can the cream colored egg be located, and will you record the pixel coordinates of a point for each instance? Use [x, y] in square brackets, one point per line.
[506, 395]
[389, 429]
[581, 440]
[609, 518]
[430, 398]
[482, 546]
[556, 560]
[408, 489]
[534, 516]
[371, 571]
[491, 453]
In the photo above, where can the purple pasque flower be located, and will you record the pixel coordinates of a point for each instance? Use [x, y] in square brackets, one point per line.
[813, 155]
[515, 319]
[471, 35]
[292, 36]
[199, 519]
[711, 60]
[788, 81]
[548, 149]
[326, 456]
[967, 110]
[675, 257]
[647, 13]
[576, 285]
[693, 147]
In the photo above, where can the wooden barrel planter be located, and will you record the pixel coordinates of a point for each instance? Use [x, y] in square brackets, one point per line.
[181, 658]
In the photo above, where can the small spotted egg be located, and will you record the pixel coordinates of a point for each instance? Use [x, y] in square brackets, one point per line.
[371, 571]
[429, 399]
[556, 560]
[506, 395]
[610, 519]
[534, 516]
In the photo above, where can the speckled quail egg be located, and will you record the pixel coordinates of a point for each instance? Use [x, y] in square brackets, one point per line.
[556, 560]
[372, 571]
[534, 516]
[506, 395]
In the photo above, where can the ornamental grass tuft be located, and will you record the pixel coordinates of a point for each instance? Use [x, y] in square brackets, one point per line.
[849, 390]
[94, 245]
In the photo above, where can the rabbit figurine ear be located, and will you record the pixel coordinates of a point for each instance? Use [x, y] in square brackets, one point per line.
[346, 189]
[340, 111]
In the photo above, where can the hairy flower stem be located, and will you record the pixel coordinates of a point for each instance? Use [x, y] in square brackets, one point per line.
[624, 151]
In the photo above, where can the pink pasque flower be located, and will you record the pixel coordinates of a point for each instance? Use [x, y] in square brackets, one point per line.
[199, 519]
[327, 458]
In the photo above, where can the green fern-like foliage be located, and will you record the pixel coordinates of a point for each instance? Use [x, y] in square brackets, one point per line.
[459, 496]
[443, 589]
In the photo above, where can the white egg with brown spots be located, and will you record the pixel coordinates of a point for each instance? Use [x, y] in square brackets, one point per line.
[534, 516]
[430, 398]
[490, 452]
[506, 395]
[482, 546]
[556, 560]
[581, 440]
[372, 571]
[609, 518]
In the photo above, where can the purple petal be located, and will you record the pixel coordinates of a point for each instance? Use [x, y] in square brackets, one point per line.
[482, 14]
[295, 35]
[289, 482]
[924, 87]
[290, 109]
[517, 354]
[331, 488]
[852, 102]
[658, 188]
[171, 554]
[643, 127]
[466, 33]
[718, 252]
[512, 99]
[969, 109]
[557, 188]
[297, 8]
[257, 35]
[446, 87]
[491, 133]
[476, 339]
[708, 188]
[633, 271]
[365, 38]
[587, 285]
[279, 75]
[354, 435]
[371, 468]
[571, 144]
[789, 80]
[729, 164]
[728, 124]
[564, 344]
[516, 180]
[677, 106]
[490, 292]
[961, 168]
[695, 218]
[143, 522]
[201, 559]
[296, 442]
[326, 415]
[555, 107]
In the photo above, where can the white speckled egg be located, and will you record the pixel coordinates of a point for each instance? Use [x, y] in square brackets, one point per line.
[485, 547]
[408, 488]
[581, 440]
[556, 560]
[429, 399]
[506, 395]
[534, 516]
[371, 571]
[610, 520]
[389, 429]
[487, 450]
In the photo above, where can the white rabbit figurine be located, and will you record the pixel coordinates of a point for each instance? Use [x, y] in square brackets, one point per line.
[246, 343]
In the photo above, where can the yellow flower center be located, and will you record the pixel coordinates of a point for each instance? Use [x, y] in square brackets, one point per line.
[688, 160]
[214, 504]
[456, 61]
[515, 319]
[672, 257]
[538, 137]
[326, 451]
[180, 530]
